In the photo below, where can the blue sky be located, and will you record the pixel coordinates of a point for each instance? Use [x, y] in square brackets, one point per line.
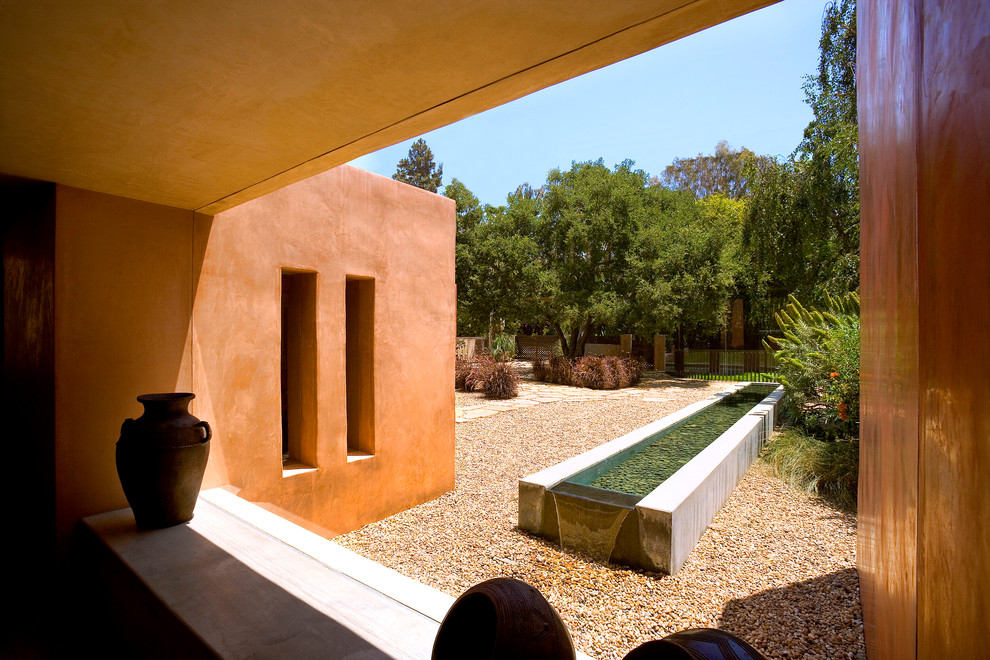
[739, 81]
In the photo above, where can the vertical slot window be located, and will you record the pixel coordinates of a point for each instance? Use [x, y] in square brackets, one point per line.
[359, 341]
[298, 372]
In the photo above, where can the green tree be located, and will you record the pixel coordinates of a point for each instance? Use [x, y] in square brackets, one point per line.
[587, 221]
[830, 149]
[685, 264]
[596, 248]
[498, 279]
[469, 212]
[724, 172]
[418, 169]
[802, 228]
[784, 249]
[497, 271]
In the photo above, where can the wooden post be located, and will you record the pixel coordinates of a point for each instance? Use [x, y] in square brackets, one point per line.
[659, 352]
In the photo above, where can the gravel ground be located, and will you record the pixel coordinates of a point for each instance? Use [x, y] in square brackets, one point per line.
[776, 566]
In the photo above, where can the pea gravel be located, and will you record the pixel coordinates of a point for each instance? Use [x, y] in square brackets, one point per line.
[776, 566]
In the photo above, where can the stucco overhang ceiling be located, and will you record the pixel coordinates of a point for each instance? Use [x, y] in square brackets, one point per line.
[204, 105]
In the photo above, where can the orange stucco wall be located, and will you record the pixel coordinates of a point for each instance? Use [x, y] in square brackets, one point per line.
[149, 298]
[924, 516]
[344, 222]
[122, 299]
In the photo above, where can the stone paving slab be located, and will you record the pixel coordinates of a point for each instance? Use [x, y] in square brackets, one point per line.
[475, 414]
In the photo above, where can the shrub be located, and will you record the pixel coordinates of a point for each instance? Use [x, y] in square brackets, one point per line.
[501, 382]
[819, 366]
[599, 372]
[596, 372]
[559, 370]
[503, 347]
[827, 469]
[462, 367]
[630, 370]
[541, 368]
[481, 367]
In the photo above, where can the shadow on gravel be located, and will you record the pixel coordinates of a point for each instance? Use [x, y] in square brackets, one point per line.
[796, 620]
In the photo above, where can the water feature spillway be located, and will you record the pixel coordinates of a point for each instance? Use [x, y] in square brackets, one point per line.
[663, 483]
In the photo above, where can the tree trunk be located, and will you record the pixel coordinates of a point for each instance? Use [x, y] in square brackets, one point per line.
[574, 343]
[585, 334]
[679, 351]
[564, 348]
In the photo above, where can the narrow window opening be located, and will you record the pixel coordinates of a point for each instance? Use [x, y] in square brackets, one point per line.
[298, 371]
[359, 341]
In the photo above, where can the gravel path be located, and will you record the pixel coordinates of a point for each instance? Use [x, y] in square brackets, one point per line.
[775, 566]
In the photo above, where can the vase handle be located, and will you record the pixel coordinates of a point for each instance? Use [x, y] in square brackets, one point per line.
[208, 431]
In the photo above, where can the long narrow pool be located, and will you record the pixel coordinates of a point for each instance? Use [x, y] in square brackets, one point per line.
[645, 499]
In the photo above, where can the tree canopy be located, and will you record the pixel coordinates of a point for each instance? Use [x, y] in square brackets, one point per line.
[802, 226]
[418, 168]
[724, 172]
[597, 248]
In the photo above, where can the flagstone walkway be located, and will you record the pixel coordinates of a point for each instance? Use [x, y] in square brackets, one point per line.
[532, 394]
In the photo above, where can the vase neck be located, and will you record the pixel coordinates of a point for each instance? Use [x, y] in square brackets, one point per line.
[166, 404]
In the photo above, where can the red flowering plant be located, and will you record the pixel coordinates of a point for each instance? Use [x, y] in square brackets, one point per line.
[841, 390]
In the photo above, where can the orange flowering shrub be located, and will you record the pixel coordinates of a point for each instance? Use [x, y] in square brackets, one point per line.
[819, 366]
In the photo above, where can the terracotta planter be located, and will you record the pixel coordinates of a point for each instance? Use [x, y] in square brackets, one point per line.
[161, 458]
[502, 619]
[696, 644]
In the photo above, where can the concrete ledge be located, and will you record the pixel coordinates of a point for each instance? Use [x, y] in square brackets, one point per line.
[240, 582]
[244, 593]
[677, 512]
[415, 595]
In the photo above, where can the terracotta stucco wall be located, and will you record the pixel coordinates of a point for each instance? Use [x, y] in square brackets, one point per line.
[127, 277]
[344, 222]
[123, 298]
[924, 535]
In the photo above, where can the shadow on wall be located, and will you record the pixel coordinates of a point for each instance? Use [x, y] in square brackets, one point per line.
[779, 622]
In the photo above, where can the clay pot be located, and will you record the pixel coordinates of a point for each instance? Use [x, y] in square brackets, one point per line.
[696, 644]
[161, 458]
[502, 619]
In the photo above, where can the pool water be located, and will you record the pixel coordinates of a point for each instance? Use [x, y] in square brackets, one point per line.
[669, 450]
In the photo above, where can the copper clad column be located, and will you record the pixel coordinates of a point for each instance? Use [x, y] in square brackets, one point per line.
[924, 504]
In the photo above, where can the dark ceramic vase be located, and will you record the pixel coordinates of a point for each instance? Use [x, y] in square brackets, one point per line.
[161, 458]
[696, 644]
[502, 619]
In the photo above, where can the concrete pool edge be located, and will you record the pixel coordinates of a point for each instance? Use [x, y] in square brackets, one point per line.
[670, 520]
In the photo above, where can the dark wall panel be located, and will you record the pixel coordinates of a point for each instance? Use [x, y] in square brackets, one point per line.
[28, 485]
